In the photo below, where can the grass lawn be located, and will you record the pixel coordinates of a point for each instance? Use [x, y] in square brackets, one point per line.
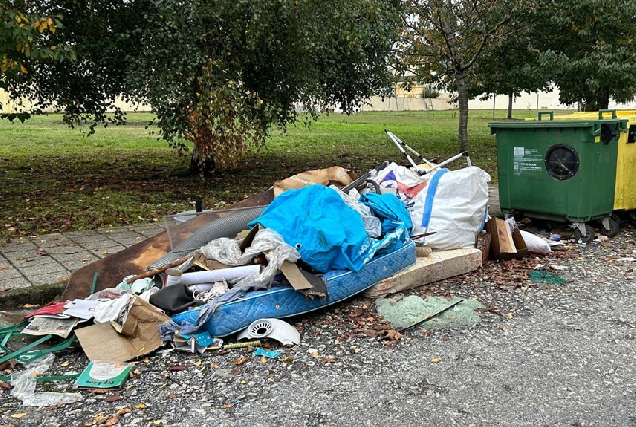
[54, 178]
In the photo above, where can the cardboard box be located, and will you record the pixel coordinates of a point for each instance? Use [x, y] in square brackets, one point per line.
[138, 336]
[505, 244]
[482, 242]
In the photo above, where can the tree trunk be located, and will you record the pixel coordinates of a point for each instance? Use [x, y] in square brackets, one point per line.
[511, 99]
[462, 99]
[199, 166]
[603, 101]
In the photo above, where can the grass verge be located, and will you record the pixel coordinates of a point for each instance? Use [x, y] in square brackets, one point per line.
[54, 178]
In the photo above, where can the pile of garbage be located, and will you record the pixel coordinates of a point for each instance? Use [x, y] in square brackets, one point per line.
[326, 236]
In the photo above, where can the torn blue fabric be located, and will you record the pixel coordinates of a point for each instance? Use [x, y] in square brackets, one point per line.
[390, 209]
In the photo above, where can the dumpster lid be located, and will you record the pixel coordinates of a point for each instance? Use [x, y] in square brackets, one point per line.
[527, 124]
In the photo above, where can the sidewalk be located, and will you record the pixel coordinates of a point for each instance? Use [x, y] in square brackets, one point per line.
[35, 269]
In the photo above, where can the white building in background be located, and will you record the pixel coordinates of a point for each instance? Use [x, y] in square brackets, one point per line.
[10, 107]
[405, 101]
[412, 101]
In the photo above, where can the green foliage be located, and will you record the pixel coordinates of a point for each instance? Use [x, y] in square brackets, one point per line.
[217, 73]
[442, 41]
[583, 47]
[25, 42]
[586, 48]
[225, 72]
[429, 92]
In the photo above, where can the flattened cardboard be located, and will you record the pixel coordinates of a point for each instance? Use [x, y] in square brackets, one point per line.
[295, 276]
[505, 245]
[249, 237]
[139, 335]
[304, 282]
[335, 175]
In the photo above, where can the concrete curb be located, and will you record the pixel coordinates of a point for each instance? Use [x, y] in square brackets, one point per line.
[34, 295]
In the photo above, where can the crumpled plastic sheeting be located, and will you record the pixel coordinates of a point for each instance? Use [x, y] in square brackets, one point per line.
[266, 241]
[24, 383]
[371, 222]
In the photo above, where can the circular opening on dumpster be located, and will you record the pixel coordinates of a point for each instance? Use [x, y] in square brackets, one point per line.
[562, 162]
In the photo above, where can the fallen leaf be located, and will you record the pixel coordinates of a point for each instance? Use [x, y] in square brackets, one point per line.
[197, 363]
[228, 406]
[177, 368]
[509, 316]
[99, 391]
[113, 398]
[392, 334]
[5, 385]
[576, 327]
[157, 422]
[240, 361]
[215, 365]
[19, 415]
[263, 359]
[140, 406]
[115, 418]
[436, 360]
[65, 364]
[328, 360]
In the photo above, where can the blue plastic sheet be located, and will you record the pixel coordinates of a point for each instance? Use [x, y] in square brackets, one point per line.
[328, 234]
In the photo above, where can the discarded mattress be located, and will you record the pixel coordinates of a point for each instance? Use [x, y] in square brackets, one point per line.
[284, 301]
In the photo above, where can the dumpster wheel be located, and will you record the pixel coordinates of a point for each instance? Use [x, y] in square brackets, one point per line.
[589, 234]
[612, 229]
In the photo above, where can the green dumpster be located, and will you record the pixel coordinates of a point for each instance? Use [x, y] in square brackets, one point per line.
[558, 170]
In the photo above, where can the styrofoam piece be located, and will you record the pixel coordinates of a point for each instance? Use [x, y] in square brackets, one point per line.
[275, 329]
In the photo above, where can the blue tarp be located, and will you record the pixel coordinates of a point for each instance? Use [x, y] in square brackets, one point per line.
[328, 233]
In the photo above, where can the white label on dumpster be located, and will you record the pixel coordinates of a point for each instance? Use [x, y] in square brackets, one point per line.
[526, 159]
